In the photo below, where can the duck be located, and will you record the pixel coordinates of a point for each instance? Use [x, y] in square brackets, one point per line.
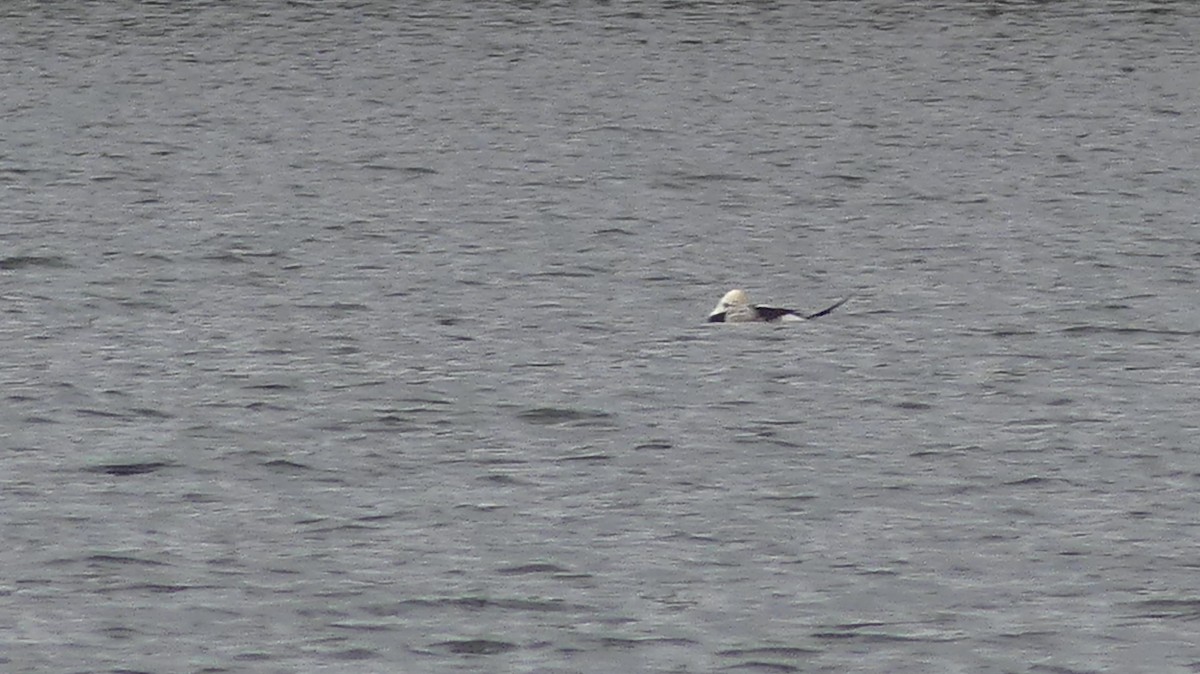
[735, 307]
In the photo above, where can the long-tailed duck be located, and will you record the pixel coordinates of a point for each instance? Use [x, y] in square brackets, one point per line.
[735, 307]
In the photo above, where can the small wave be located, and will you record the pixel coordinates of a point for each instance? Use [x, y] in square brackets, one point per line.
[594, 456]
[630, 642]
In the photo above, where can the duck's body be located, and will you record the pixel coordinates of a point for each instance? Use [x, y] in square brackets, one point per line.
[735, 307]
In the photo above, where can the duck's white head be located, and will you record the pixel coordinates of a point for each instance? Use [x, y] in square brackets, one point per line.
[732, 299]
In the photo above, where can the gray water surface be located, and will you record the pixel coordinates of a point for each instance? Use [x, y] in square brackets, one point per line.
[361, 337]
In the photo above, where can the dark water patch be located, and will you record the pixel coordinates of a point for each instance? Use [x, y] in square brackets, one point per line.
[533, 568]
[760, 666]
[153, 588]
[422, 404]
[736, 404]
[977, 199]
[1168, 609]
[497, 459]
[144, 304]
[355, 654]
[844, 177]
[336, 306]
[778, 422]
[253, 656]
[32, 261]
[536, 606]
[382, 517]
[286, 466]
[102, 560]
[562, 273]
[847, 630]
[551, 416]
[121, 633]
[267, 387]
[868, 632]
[472, 603]
[1028, 635]
[539, 364]
[224, 257]
[1038, 423]
[788, 498]
[913, 405]
[950, 450]
[151, 413]
[241, 256]
[480, 507]
[260, 406]
[476, 647]
[315, 533]
[127, 469]
[1031, 481]
[154, 257]
[720, 177]
[410, 171]
[878, 572]
[391, 423]
[1125, 330]
[768, 652]
[505, 480]
[87, 412]
[1059, 669]
[755, 437]
[688, 537]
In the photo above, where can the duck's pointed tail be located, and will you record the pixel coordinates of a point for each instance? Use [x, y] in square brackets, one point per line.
[828, 309]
